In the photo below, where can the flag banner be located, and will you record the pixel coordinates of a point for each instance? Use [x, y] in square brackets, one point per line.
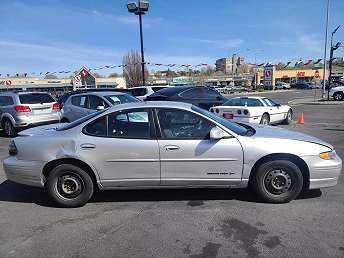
[309, 62]
[318, 61]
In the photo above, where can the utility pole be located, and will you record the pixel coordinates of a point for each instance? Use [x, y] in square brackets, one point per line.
[325, 54]
[333, 48]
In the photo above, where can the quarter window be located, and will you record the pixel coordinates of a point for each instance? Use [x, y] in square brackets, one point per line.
[97, 127]
[131, 124]
[180, 124]
[6, 101]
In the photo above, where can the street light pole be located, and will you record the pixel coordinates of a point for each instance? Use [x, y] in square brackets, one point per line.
[142, 51]
[325, 54]
[139, 9]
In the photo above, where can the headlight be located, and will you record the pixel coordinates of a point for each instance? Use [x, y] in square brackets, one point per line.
[12, 149]
[328, 155]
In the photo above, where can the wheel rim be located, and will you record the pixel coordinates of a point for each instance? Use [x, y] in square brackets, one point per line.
[69, 185]
[289, 116]
[265, 121]
[8, 128]
[338, 96]
[278, 181]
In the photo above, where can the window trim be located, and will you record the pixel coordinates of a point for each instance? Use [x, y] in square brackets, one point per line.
[158, 126]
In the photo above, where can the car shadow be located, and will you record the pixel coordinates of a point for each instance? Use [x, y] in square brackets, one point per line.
[13, 192]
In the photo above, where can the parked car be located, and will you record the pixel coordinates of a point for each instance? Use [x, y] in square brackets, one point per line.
[62, 99]
[144, 91]
[165, 145]
[303, 86]
[203, 97]
[337, 93]
[80, 105]
[282, 86]
[19, 110]
[257, 110]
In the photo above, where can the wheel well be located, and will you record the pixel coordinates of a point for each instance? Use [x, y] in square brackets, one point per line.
[52, 164]
[65, 120]
[284, 156]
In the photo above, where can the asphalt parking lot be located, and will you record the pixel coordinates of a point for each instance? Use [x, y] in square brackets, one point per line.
[182, 223]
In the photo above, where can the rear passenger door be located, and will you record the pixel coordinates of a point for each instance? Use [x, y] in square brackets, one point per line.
[79, 107]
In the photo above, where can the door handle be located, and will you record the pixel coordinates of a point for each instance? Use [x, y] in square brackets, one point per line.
[87, 146]
[171, 147]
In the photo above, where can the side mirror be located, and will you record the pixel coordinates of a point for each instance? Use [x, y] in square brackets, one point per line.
[217, 133]
[100, 108]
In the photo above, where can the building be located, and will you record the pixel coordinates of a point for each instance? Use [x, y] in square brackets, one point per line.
[57, 86]
[229, 65]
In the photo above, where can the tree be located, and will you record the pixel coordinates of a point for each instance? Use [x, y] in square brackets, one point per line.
[113, 75]
[132, 69]
[97, 75]
[50, 76]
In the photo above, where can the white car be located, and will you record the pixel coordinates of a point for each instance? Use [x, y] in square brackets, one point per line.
[143, 92]
[282, 86]
[256, 110]
[337, 93]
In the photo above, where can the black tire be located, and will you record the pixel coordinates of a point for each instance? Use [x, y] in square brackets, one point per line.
[69, 186]
[64, 120]
[265, 120]
[338, 96]
[9, 129]
[278, 181]
[289, 119]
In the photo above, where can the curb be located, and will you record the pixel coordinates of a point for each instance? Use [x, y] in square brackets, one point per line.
[257, 92]
[312, 102]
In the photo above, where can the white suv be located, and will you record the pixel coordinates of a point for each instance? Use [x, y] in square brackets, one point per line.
[143, 92]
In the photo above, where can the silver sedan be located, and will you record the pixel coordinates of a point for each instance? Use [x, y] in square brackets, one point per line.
[167, 144]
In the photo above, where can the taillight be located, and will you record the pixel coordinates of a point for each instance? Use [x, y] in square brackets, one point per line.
[22, 108]
[217, 111]
[212, 110]
[246, 112]
[56, 106]
[239, 111]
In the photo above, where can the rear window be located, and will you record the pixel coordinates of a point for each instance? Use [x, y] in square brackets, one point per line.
[35, 98]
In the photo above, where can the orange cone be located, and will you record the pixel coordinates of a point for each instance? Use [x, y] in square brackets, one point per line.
[301, 119]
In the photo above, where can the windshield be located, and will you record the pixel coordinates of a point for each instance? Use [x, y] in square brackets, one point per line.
[238, 129]
[120, 99]
[79, 121]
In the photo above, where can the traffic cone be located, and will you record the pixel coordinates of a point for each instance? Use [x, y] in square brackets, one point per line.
[301, 119]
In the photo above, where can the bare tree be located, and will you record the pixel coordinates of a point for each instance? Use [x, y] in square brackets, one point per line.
[132, 69]
[113, 75]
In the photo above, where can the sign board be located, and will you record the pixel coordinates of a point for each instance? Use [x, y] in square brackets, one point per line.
[317, 74]
[300, 74]
[268, 75]
[8, 82]
[77, 80]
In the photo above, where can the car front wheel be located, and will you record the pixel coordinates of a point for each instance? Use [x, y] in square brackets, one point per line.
[278, 181]
[265, 120]
[69, 186]
[9, 129]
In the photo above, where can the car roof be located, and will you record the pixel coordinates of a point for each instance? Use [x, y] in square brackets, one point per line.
[150, 104]
[101, 93]
[169, 91]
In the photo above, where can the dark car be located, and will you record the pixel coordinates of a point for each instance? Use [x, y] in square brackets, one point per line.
[200, 96]
[303, 86]
[62, 99]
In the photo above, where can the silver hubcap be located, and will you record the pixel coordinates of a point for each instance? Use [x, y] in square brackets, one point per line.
[338, 97]
[265, 121]
[70, 185]
[277, 181]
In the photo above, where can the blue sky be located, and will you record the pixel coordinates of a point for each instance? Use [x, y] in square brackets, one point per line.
[55, 35]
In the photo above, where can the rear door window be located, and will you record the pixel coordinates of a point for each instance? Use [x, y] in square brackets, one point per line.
[35, 98]
[80, 101]
[96, 102]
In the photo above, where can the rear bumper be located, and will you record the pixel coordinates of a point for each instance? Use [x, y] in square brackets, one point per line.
[323, 173]
[24, 171]
[27, 121]
[249, 120]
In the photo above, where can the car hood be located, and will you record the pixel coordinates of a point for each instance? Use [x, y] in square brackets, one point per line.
[41, 130]
[275, 132]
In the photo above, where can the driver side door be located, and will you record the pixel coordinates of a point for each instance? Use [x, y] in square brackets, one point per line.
[189, 157]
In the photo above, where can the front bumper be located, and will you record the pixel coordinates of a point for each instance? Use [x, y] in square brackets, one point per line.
[24, 171]
[323, 173]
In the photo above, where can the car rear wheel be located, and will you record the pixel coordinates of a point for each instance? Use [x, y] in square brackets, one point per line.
[265, 120]
[9, 128]
[278, 181]
[69, 186]
[338, 96]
